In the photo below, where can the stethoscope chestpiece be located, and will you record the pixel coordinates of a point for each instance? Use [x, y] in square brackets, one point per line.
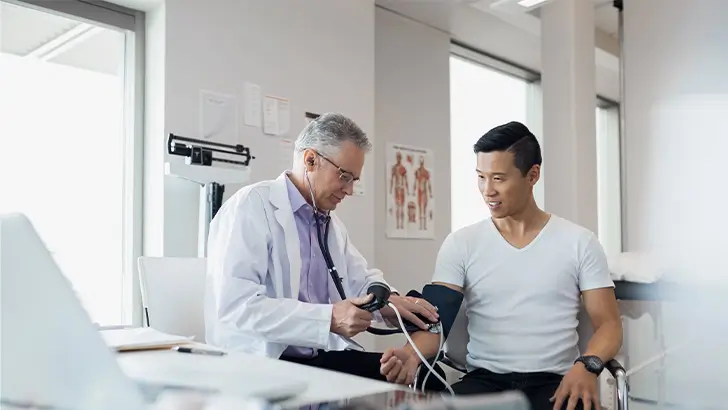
[381, 294]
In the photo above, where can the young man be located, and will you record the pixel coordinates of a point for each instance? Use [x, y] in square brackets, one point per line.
[524, 274]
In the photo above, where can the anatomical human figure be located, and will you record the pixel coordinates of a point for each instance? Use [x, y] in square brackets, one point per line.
[423, 189]
[399, 187]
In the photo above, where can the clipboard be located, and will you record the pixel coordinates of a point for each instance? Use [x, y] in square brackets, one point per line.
[141, 338]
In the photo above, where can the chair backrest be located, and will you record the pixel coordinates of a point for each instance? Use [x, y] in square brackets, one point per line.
[173, 294]
[456, 345]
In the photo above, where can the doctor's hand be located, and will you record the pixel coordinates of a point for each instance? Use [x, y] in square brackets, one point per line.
[347, 319]
[408, 308]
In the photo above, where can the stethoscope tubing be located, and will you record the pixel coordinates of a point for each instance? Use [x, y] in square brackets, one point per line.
[324, 246]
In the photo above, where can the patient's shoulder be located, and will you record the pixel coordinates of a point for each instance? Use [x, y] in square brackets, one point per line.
[468, 239]
[473, 233]
[571, 234]
[564, 226]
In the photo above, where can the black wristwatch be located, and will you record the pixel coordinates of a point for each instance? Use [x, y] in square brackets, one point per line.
[593, 364]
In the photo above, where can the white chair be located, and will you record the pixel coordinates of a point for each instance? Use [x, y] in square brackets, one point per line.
[173, 293]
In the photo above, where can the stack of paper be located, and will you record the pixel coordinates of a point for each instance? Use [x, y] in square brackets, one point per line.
[142, 338]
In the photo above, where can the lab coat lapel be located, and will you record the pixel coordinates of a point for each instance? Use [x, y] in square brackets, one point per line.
[284, 215]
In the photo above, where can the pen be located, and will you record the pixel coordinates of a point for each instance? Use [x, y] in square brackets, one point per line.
[183, 349]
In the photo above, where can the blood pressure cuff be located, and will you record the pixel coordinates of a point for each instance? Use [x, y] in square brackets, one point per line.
[446, 300]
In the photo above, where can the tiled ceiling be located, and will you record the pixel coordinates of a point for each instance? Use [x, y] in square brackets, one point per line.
[28, 32]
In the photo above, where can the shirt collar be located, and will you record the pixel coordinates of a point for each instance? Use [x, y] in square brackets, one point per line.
[294, 195]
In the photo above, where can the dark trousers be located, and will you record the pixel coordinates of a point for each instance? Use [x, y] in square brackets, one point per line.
[363, 364]
[538, 387]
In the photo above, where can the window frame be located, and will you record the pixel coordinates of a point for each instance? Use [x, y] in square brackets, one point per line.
[494, 63]
[96, 12]
[132, 24]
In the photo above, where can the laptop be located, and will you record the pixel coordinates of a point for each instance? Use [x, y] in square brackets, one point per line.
[54, 356]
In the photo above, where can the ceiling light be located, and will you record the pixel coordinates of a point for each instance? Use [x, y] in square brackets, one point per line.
[530, 3]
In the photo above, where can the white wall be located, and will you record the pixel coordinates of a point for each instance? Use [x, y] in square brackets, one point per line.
[569, 100]
[412, 108]
[318, 53]
[676, 108]
[676, 93]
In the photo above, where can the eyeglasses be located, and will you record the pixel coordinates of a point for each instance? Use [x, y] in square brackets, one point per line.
[344, 176]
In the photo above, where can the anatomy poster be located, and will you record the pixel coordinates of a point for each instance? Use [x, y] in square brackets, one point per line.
[410, 199]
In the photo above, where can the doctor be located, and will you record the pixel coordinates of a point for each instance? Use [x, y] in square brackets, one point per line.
[268, 290]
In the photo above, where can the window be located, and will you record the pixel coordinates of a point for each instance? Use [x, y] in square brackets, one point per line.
[481, 97]
[68, 105]
[608, 177]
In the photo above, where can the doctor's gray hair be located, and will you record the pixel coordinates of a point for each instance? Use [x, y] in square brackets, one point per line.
[326, 133]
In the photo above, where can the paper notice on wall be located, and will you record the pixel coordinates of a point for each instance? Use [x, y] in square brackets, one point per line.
[284, 116]
[270, 116]
[252, 115]
[276, 115]
[286, 147]
[218, 117]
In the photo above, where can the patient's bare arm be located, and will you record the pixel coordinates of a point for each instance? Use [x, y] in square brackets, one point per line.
[427, 343]
[399, 365]
[601, 305]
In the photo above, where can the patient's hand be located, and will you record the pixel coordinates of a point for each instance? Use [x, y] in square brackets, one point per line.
[408, 308]
[578, 385]
[399, 365]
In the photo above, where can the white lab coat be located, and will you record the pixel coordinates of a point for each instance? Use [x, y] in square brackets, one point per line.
[253, 276]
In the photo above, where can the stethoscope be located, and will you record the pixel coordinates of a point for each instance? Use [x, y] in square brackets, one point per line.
[375, 303]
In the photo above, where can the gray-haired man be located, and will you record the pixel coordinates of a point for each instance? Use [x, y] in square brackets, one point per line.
[269, 291]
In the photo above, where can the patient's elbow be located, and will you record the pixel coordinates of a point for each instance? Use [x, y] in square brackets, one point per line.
[615, 331]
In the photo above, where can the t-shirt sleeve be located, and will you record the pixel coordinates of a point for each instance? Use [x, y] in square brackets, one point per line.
[593, 267]
[450, 266]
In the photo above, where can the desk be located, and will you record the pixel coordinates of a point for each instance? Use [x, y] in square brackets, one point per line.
[235, 369]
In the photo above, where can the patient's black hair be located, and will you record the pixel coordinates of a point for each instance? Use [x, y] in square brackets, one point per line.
[512, 137]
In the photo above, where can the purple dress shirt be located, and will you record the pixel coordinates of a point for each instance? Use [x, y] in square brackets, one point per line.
[314, 287]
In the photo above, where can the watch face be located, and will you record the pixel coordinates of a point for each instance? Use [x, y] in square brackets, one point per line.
[593, 364]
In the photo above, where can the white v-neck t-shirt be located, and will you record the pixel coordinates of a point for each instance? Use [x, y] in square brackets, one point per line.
[522, 304]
